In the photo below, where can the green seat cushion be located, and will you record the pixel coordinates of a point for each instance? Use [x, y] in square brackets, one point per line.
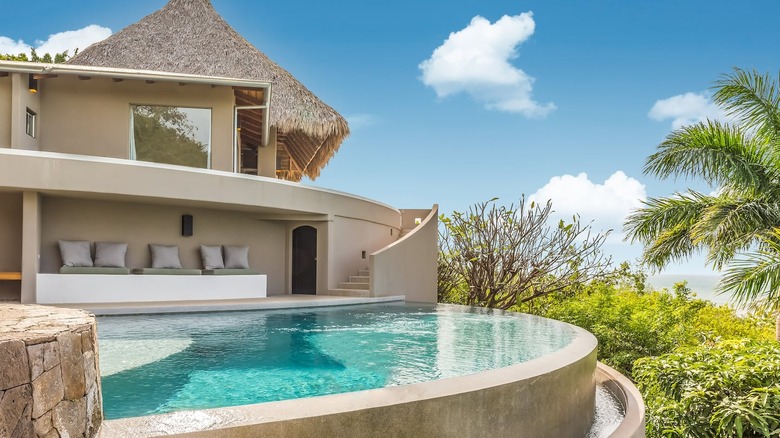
[166, 271]
[230, 272]
[93, 270]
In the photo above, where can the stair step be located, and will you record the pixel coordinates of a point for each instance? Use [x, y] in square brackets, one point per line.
[359, 278]
[364, 273]
[348, 293]
[358, 286]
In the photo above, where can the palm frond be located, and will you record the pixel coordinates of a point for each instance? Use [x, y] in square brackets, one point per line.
[659, 214]
[664, 226]
[720, 154]
[752, 98]
[757, 276]
[672, 244]
[729, 225]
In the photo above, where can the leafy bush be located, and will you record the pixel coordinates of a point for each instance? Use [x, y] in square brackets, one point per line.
[630, 325]
[731, 388]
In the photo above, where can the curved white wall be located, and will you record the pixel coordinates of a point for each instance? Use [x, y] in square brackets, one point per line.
[408, 266]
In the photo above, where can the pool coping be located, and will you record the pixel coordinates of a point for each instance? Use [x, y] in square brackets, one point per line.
[273, 302]
[628, 395]
[234, 421]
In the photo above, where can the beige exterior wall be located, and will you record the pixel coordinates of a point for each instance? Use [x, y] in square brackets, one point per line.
[350, 238]
[31, 244]
[408, 266]
[107, 199]
[5, 112]
[112, 179]
[139, 224]
[266, 156]
[21, 99]
[92, 117]
[10, 242]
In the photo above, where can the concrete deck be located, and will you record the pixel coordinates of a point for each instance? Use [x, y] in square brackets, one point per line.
[268, 303]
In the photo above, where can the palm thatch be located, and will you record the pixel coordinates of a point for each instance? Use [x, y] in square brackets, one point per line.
[189, 36]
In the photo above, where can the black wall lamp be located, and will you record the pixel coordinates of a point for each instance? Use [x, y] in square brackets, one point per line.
[186, 225]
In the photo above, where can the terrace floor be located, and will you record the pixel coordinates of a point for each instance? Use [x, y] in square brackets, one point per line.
[268, 303]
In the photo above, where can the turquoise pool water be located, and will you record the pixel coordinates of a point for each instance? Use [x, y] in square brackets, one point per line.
[162, 363]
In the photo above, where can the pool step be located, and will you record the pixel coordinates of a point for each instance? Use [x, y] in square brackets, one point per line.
[349, 293]
[354, 285]
[358, 284]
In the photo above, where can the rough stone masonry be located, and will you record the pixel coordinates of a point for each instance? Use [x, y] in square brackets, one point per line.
[49, 373]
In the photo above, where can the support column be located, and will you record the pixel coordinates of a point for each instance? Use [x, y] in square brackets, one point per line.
[31, 244]
[266, 156]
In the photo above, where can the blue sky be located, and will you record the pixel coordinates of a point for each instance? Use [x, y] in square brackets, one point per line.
[618, 73]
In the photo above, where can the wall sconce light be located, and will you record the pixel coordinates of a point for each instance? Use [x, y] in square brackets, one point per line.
[33, 84]
[186, 225]
[417, 220]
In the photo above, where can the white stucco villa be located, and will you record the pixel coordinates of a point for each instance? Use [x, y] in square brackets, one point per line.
[177, 132]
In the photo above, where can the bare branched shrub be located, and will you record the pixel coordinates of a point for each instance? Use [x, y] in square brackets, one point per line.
[505, 256]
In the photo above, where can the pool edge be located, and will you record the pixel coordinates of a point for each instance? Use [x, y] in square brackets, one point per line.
[406, 410]
[628, 395]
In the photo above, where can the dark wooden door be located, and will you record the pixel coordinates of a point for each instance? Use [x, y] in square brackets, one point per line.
[304, 260]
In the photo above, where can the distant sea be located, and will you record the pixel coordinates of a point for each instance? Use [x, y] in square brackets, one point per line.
[702, 285]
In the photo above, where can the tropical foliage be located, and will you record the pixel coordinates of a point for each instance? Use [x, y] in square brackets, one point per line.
[737, 225]
[497, 256]
[631, 324]
[47, 58]
[730, 389]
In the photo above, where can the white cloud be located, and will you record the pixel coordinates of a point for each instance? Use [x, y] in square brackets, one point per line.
[476, 60]
[9, 46]
[69, 40]
[358, 121]
[686, 109]
[607, 204]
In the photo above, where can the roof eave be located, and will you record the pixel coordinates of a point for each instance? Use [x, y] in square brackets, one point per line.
[122, 73]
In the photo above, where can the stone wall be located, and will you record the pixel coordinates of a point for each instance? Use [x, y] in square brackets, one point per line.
[49, 373]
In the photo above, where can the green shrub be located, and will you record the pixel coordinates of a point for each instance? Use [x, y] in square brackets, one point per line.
[730, 388]
[630, 325]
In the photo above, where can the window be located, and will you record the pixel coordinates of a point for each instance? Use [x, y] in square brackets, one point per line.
[171, 135]
[31, 122]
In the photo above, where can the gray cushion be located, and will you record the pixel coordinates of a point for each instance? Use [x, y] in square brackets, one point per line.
[93, 270]
[169, 271]
[75, 253]
[110, 254]
[212, 257]
[165, 256]
[237, 257]
[230, 272]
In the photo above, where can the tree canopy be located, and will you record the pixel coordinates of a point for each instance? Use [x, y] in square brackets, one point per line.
[738, 225]
[47, 58]
[502, 256]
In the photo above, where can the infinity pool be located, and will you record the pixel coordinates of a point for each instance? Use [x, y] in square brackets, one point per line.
[162, 363]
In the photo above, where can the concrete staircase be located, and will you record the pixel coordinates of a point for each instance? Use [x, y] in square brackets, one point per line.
[357, 286]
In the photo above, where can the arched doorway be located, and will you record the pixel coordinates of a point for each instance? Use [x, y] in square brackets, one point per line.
[304, 260]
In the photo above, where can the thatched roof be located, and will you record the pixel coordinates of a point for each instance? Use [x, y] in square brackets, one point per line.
[189, 36]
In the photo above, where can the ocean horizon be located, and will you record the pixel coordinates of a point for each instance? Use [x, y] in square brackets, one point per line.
[704, 286]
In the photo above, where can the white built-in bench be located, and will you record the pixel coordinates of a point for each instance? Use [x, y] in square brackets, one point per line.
[100, 288]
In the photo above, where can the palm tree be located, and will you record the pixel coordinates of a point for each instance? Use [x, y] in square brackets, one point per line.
[738, 227]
